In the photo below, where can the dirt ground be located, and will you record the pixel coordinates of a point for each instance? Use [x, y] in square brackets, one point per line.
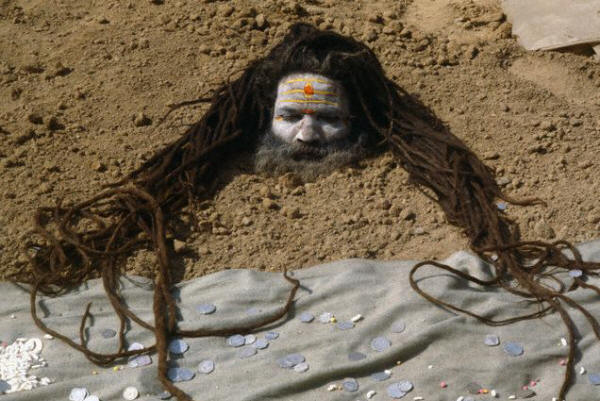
[84, 82]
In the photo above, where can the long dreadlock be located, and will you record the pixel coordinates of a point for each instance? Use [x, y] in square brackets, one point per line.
[93, 237]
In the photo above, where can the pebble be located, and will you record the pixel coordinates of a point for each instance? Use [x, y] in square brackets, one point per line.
[48, 337]
[179, 246]
[494, 393]
[131, 393]
[356, 356]
[443, 384]
[301, 367]
[78, 394]
[247, 352]
[563, 342]
[206, 366]
[398, 327]
[491, 340]
[249, 339]
[206, 309]
[381, 376]
[581, 370]
[178, 346]
[140, 120]
[371, 394]
[236, 340]
[261, 343]
[180, 374]
[272, 335]
[307, 317]
[349, 384]
[345, 325]
[513, 349]
[290, 360]
[380, 344]
[108, 333]
[594, 378]
[261, 21]
[325, 317]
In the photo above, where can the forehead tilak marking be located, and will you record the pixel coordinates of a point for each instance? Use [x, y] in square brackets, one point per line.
[308, 91]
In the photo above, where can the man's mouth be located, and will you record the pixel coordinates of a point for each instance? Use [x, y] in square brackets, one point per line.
[308, 152]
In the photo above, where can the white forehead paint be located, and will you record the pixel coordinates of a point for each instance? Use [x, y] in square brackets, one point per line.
[310, 108]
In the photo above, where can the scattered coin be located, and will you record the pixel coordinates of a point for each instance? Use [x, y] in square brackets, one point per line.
[261, 343]
[575, 273]
[207, 366]
[380, 344]
[325, 317]
[307, 317]
[178, 346]
[108, 333]
[405, 386]
[165, 395]
[398, 327]
[272, 335]
[135, 347]
[78, 394]
[381, 376]
[594, 378]
[345, 325]
[513, 349]
[139, 361]
[473, 388]
[349, 384]
[301, 367]
[206, 309]
[290, 360]
[356, 356]
[491, 340]
[394, 391]
[131, 393]
[236, 340]
[249, 339]
[246, 352]
[180, 374]
[524, 393]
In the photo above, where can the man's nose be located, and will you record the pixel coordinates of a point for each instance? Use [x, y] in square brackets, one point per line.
[308, 132]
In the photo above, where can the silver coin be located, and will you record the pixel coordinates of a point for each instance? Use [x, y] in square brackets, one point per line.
[249, 339]
[139, 361]
[301, 367]
[4, 386]
[206, 309]
[398, 327]
[178, 346]
[207, 366]
[575, 273]
[272, 335]
[261, 343]
[180, 374]
[513, 349]
[394, 391]
[491, 340]
[345, 325]
[246, 352]
[380, 344]
[325, 317]
[130, 393]
[236, 340]
[356, 356]
[594, 378]
[78, 394]
[307, 317]
[380, 376]
[290, 360]
[349, 384]
[108, 333]
[405, 386]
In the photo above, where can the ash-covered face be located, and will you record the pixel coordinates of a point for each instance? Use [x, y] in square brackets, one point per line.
[310, 133]
[310, 109]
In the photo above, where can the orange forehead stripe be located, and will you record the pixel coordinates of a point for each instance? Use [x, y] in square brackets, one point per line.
[308, 111]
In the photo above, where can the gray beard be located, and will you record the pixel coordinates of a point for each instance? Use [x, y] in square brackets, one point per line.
[276, 157]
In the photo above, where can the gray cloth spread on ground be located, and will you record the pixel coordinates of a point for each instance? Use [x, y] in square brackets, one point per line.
[436, 346]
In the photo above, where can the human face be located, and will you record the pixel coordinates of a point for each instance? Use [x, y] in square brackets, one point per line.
[311, 110]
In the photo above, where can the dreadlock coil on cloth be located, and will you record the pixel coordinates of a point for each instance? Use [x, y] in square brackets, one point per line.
[92, 238]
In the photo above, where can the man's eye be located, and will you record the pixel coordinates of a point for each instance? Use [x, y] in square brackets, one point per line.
[330, 119]
[291, 117]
